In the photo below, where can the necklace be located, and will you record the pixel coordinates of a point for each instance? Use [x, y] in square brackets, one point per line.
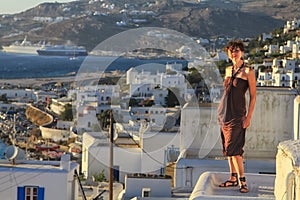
[233, 74]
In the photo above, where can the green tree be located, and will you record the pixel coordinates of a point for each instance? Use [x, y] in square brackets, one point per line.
[222, 64]
[104, 119]
[67, 114]
[174, 99]
[133, 102]
[193, 77]
[100, 177]
[3, 98]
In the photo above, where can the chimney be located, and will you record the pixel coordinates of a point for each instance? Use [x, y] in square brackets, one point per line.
[65, 162]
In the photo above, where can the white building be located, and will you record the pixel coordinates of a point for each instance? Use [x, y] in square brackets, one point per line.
[86, 119]
[296, 50]
[153, 114]
[135, 77]
[287, 64]
[41, 180]
[284, 73]
[140, 154]
[291, 25]
[175, 81]
[19, 95]
[146, 185]
[220, 55]
[264, 78]
[174, 67]
[90, 101]
[285, 79]
[145, 84]
[272, 49]
[58, 105]
[266, 36]
[43, 96]
[103, 94]
[287, 48]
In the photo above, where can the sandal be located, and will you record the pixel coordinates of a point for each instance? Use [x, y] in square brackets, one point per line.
[243, 187]
[230, 183]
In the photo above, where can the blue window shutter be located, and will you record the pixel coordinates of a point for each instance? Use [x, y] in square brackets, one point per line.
[41, 192]
[21, 193]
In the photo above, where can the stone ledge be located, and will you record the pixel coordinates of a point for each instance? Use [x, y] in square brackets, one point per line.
[287, 166]
[261, 187]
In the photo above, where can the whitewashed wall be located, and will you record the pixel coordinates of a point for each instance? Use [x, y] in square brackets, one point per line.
[129, 159]
[58, 182]
[287, 182]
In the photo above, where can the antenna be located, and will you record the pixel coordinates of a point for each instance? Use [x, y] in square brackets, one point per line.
[13, 153]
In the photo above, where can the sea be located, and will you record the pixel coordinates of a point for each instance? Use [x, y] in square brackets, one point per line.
[14, 66]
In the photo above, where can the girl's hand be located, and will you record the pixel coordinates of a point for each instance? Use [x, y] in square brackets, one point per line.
[246, 123]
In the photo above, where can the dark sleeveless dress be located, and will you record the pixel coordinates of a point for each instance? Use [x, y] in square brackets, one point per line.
[231, 113]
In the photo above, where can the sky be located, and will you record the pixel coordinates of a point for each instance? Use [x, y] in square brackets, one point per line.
[16, 6]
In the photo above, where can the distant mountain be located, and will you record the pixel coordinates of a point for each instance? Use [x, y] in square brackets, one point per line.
[88, 23]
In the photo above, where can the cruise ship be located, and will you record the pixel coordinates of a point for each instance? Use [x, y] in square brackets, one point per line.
[62, 50]
[24, 47]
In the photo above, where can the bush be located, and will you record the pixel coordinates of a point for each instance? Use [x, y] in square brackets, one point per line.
[100, 177]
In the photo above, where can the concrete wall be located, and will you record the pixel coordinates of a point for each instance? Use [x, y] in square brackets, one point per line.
[297, 118]
[272, 122]
[155, 185]
[55, 134]
[287, 182]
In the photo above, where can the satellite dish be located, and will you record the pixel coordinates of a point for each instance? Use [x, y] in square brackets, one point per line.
[172, 154]
[14, 153]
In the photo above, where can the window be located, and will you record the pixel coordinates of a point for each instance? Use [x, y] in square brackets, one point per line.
[30, 193]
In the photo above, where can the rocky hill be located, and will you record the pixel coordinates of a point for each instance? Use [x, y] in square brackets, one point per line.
[88, 23]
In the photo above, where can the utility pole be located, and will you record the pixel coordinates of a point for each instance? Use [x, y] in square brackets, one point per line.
[111, 157]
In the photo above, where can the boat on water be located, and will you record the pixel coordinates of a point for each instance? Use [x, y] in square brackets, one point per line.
[24, 47]
[62, 50]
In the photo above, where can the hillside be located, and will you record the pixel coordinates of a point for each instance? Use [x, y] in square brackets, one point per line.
[88, 23]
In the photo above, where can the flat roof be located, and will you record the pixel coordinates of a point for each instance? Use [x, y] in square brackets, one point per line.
[34, 165]
[261, 186]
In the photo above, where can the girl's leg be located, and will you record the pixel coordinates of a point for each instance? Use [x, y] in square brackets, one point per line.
[239, 165]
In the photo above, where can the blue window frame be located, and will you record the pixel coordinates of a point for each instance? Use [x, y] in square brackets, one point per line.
[31, 193]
